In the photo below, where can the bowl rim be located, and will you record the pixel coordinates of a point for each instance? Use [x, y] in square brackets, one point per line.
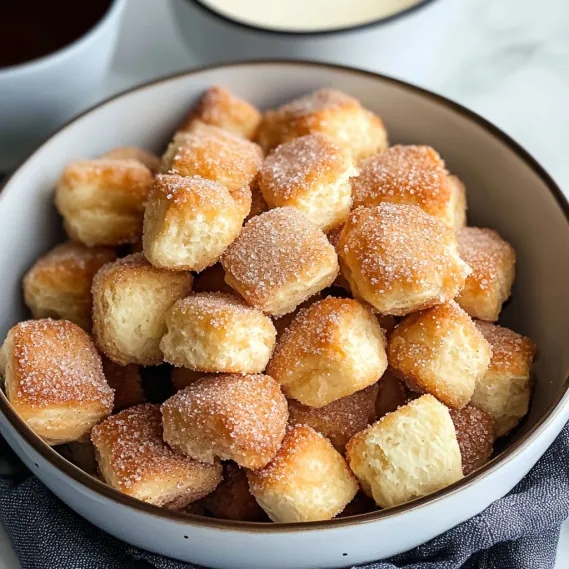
[54, 57]
[243, 25]
[98, 487]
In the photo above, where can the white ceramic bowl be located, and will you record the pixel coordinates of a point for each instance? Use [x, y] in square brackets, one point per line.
[409, 44]
[38, 96]
[507, 190]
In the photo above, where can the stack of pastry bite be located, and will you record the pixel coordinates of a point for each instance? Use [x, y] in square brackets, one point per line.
[329, 318]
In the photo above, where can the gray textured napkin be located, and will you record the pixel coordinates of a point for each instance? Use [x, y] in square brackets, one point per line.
[520, 531]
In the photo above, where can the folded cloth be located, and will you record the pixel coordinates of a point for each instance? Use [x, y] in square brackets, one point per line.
[518, 531]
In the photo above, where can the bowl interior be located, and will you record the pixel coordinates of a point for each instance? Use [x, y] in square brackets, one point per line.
[506, 189]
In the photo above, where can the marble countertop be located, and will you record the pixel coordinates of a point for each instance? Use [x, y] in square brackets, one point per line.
[508, 60]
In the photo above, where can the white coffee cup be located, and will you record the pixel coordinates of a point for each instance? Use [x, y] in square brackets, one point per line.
[409, 44]
[38, 96]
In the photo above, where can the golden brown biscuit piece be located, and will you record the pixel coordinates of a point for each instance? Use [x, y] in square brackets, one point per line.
[504, 390]
[340, 420]
[475, 434]
[440, 351]
[331, 350]
[102, 201]
[493, 263]
[274, 271]
[182, 377]
[391, 394]
[232, 499]
[130, 301]
[411, 175]
[217, 332]
[54, 379]
[149, 159]
[400, 259]
[212, 279]
[220, 107]
[396, 469]
[334, 238]
[327, 111]
[291, 491]
[133, 459]
[232, 417]
[126, 382]
[189, 222]
[217, 155]
[58, 285]
[311, 173]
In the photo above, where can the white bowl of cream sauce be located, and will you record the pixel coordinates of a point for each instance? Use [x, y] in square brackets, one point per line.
[402, 38]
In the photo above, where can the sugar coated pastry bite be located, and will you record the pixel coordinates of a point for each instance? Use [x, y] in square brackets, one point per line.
[54, 379]
[440, 351]
[493, 263]
[331, 350]
[475, 434]
[219, 107]
[189, 222]
[279, 260]
[231, 417]
[58, 285]
[411, 175]
[290, 491]
[217, 155]
[212, 279]
[134, 459]
[102, 201]
[232, 500]
[334, 238]
[504, 391]
[396, 469]
[311, 173]
[391, 394]
[400, 259]
[340, 420]
[149, 159]
[126, 382]
[130, 301]
[327, 111]
[217, 332]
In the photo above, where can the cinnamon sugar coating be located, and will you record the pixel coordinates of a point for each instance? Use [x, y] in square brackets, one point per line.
[331, 350]
[311, 173]
[217, 332]
[231, 417]
[475, 435]
[400, 259]
[133, 459]
[505, 389]
[327, 111]
[189, 222]
[440, 351]
[54, 379]
[340, 420]
[411, 175]
[102, 201]
[290, 492]
[58, 285]
[219, 107]
[126, 382]
[492, 261]
[279, 260]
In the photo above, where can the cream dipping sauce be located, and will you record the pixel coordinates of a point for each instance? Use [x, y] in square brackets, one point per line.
[307, 15]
